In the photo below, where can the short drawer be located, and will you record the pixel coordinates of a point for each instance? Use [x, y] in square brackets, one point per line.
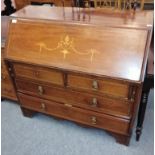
[75, 114]
[97, 103]
[38, 73]
[98, 85]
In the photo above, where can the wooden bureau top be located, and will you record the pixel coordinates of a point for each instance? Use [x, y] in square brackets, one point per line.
[85, 48]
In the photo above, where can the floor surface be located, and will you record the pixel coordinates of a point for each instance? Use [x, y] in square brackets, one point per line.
[44, 135]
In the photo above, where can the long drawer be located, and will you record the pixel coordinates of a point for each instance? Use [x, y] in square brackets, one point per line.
[75, 114]
[38, 73]
[109, 87]
[84, 100]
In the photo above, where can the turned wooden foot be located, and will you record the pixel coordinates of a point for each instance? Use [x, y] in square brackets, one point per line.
[148, 83]
[141, 114]
[27, 112]
[138, 133]
[121, 139]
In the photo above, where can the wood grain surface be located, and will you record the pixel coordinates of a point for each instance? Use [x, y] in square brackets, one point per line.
[72, 47]
[76, 114]
[112, 106]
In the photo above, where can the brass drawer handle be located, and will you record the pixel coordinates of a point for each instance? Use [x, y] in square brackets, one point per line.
[43, 106]
[95, 85]
[93, 120]
[94, 102]
[40, 90]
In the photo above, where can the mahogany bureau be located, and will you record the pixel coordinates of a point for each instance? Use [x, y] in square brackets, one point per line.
[88, 71]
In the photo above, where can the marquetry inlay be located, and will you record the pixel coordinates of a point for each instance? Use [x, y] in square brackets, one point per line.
[66, 46]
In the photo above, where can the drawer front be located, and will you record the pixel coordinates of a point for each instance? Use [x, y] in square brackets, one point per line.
[84, 100]
[96, 85]
[39, 73]
[7, 89]
[75, 114]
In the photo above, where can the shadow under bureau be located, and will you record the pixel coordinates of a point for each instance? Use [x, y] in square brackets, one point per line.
[89, 72]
